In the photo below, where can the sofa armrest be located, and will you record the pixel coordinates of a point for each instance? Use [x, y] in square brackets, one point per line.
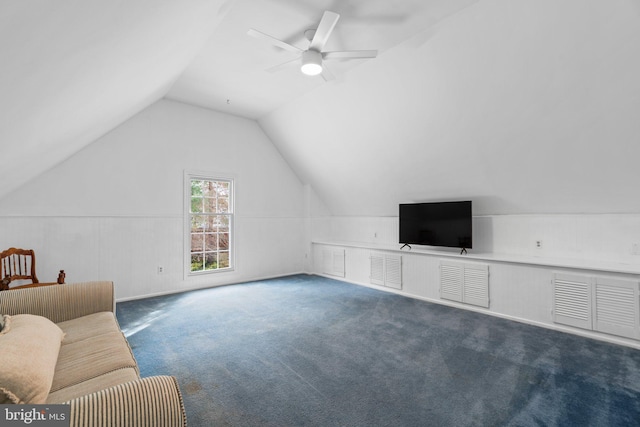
[147, 402]
[60, 302]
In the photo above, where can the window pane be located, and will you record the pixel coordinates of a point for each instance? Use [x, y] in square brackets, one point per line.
[209, 189]
[211, 242]
[210, 205]
[196, 187]
[198, 223]
[211, 261]
[224, 241]
[223, 205]
[215, 223]
[196, 262]
[224, 221]
[197, 240]
[212, 223]
[224, 260]
[223, 189]
[196, 205]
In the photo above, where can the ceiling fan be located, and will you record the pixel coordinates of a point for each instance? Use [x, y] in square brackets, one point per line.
[312, 58]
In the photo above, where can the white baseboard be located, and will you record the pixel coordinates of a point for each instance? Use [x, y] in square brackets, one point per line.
[195, 288]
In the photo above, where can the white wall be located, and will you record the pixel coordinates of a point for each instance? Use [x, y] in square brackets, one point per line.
[114, 210]
[602, 238]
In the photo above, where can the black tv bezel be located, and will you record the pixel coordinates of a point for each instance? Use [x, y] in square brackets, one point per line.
[423, 243]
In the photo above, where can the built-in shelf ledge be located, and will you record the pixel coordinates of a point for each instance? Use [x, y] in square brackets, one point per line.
[578, 264]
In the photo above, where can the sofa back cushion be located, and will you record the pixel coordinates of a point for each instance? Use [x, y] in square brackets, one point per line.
[61, 302]
[29, 346]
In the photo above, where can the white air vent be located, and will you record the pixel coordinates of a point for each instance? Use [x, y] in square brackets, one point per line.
[376, 274]
[465, 282]
[451, 280]
[601, 304]
[386, 270]
[393, 271]
[333, 262]
[616, 307]
[476, 284]
[572, 300]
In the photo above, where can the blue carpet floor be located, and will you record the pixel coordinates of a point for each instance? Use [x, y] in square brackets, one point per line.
[310, 351]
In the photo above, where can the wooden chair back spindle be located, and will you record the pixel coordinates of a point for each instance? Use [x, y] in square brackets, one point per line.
[19, 264]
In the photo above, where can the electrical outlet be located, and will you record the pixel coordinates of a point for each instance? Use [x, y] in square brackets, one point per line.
[635, 249]
[539, 244]
[160, 269]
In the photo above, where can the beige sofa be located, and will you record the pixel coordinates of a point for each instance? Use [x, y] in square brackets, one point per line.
[62, 344]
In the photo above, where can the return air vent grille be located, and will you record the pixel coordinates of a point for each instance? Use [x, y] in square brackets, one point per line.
[572, 301]
[393, 271]
[476, 285]
[333, 262]
[376, 275]
[465, 282]
[386, 270]
[597, 303]
[451, 282]
[616, 307]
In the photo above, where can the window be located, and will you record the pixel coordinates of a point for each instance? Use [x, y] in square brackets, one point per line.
[210, 224]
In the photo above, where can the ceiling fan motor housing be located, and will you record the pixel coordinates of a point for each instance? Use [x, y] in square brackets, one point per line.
[311, 62]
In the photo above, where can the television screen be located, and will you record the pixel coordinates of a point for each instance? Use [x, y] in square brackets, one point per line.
[446, 224]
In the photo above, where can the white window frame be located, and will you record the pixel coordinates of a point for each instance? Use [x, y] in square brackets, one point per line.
[208, 176]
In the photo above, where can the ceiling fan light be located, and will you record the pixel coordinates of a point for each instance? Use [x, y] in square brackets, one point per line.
[311, 63]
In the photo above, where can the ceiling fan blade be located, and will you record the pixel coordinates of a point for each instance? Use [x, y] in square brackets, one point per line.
[283, 65]
[327, 23]
[350, 54]
[326, 74]
[274, 41]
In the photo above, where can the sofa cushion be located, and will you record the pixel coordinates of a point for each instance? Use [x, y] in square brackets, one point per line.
[88, 326]
[91, 357]
[93, 385]
[30, 346]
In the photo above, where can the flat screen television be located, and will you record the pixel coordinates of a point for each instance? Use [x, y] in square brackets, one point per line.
[446, 224]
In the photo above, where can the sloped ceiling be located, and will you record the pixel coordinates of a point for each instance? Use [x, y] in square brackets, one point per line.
[524, 107]
[233, 72]
[71, 70]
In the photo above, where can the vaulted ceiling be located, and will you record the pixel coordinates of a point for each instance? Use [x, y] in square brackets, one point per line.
[524, 107]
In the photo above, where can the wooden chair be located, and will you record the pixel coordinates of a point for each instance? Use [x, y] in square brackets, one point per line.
[20, 264]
